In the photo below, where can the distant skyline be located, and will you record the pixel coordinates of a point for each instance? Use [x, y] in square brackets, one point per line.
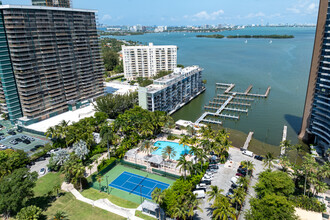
[196, 12]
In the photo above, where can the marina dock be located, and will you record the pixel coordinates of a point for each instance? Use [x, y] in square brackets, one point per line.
[221, 103]
[285, 129]
[248, 139]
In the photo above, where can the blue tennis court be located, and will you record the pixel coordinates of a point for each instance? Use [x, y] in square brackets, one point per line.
[136, 184]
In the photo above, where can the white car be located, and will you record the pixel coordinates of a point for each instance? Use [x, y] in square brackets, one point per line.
[42, 171]
[248, 153]
[200, 194]
[234, 179]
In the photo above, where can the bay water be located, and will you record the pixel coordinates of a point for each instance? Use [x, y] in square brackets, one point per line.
[283, 64]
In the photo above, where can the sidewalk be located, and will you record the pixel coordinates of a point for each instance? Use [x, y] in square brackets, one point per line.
[101, 203]
[94, 168]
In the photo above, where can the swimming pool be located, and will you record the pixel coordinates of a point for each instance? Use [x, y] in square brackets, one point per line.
[180, 150]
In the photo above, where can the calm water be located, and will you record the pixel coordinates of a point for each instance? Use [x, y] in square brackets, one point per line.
[178, 148]
[284, 65]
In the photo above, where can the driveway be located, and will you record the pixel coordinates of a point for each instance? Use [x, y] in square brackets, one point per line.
[222, 180]
[39, 165]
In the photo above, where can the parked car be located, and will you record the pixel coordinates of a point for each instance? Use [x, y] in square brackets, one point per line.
[13, 142]
[248, 153]
[242, 171]
[18, 140]
[257, 157]
[200, 194]
[2, 134]
[3, 147]
[206, 182]
[1, 126]
[39, 146]
[24, 137]
[42, 171]
[229, 195]
[11, 132]
[213, 166]
[19, 130]
[33, 149]
[26, 141]
[240, 174]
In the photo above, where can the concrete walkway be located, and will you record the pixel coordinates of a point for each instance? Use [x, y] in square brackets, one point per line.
[95, 164]
[101, 203]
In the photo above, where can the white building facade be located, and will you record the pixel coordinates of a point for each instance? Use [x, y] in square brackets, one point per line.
[171, 92]
[147, 61]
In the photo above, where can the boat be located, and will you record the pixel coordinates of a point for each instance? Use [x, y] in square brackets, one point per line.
[246, 41]
[270, 41]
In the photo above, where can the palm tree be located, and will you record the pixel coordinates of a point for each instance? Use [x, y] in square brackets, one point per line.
[206, 145]
[308, 166]
[51, 132]
[56, 189]
[60, 215]
[249, 165]
[158, 197]
[147, 147]
[108, 135]
[185, 140]
[243, 182]
[286, 144]
[199, 154]
[238, 196]
[320, 187]
[184, 165]
[79, 171]
[169, 152]
[99, 180]
[299, 150]
[214, 193]
[268, 161]
[169, 124]
[222, 209]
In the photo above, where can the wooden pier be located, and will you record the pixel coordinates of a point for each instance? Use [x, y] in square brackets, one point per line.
[248, 89]
[248, 139]
[285, 129]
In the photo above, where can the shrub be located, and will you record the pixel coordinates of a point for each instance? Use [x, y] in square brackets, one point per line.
[171, 137]
[104, 163]
[29, 213]
[308, 203]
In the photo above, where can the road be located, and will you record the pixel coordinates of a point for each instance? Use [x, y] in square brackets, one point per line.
[222, 180]
[39, 165]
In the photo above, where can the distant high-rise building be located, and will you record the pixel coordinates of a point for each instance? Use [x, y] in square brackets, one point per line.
[50, 61]
[53, 3]
[316, 119]
[147, 61]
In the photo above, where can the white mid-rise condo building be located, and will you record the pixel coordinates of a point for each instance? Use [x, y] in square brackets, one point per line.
[147, 61]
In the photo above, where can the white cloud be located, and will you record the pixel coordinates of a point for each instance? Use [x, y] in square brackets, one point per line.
[204, 15]
[106, 17]
[254, 15]
[303, 7]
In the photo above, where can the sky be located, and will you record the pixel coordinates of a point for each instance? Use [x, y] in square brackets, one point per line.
[198, 12]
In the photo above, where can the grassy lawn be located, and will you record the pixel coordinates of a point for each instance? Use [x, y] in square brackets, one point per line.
[47, 183]
[143, 216]
[77, 210]
[114, 173]
[95, 195]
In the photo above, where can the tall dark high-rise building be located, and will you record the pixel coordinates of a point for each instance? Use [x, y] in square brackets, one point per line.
[53, 3]
[316, 120]
[50, 61]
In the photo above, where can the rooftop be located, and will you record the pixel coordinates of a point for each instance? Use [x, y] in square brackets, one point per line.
[118, 88]
[178, 74]
[71, 116]
[44, 8]
[145, 46]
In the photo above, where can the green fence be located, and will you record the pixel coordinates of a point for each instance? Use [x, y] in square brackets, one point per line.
[109, 167]
[163, 173]
[136, 166]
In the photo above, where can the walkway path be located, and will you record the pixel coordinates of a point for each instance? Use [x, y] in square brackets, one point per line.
[94, 164]
[102, 203]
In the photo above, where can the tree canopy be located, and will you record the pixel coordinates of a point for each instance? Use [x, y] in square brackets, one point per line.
[272, 207]
[15, 190]
[11, 160]
[276, 182]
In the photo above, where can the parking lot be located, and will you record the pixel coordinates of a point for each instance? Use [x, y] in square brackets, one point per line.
[222, 180]
[7, 141]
